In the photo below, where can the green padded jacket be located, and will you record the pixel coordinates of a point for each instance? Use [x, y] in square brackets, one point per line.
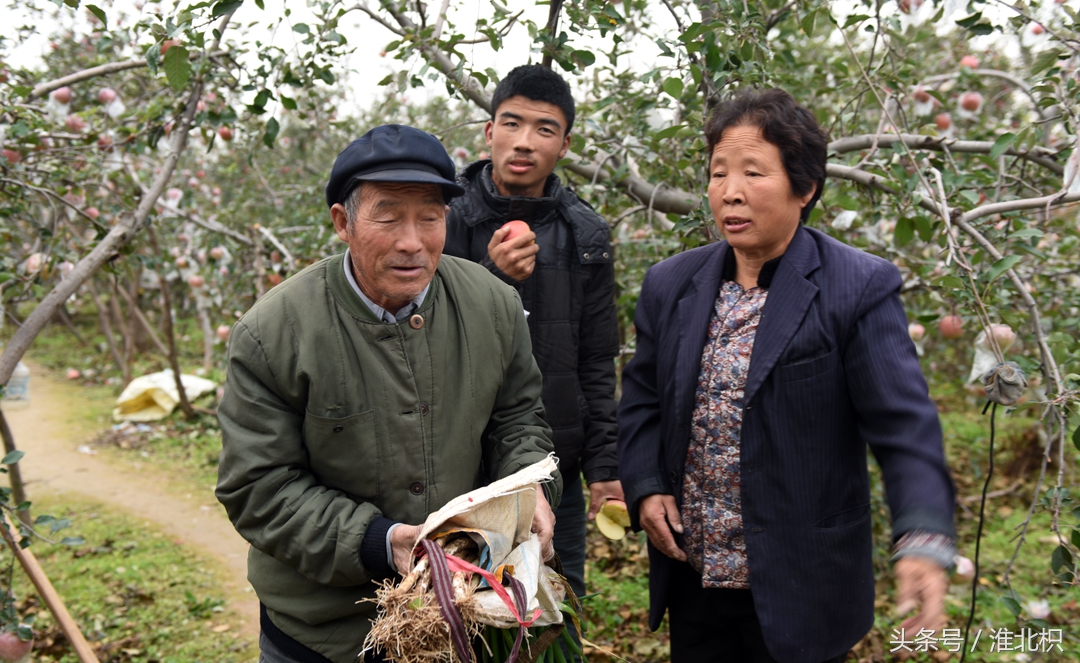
[334, 421]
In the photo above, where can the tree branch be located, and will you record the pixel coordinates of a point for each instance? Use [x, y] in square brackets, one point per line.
[1039, 155]
[41, 89]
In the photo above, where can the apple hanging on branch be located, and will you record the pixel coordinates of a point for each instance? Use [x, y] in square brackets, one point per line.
[951, 326]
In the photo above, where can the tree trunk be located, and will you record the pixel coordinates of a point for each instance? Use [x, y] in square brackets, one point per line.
[18, 489]
[167, 326]
[106, 326]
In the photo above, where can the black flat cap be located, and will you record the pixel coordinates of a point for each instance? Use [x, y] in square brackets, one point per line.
[392, 153]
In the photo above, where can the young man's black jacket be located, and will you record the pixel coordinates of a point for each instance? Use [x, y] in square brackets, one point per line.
[570, 297]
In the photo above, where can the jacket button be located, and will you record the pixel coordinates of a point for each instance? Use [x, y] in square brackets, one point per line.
[417, 488]
[606, 255]
[585, 255]
[424, 408]
[338, 428]
[416, 321]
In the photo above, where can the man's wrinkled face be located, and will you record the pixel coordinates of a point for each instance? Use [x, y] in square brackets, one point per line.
[395, 239]
[527, 138]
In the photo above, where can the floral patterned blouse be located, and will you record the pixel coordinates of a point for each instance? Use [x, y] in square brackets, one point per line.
[712, 499]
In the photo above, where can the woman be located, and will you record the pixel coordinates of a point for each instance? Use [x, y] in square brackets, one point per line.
[765, 366]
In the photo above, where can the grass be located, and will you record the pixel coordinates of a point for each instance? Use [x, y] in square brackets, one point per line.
[618, 571]
[136, 594]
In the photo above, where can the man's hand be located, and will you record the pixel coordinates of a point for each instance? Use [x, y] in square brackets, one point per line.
[402, 541]
[516, 257]
[544, 524]
[603, 490]
[921, 583]
[660, 518]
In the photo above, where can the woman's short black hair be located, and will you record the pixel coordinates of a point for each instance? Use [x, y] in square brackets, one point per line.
[538, 83]
[783, 122]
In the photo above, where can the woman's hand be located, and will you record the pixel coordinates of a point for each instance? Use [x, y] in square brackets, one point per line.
[661, 521]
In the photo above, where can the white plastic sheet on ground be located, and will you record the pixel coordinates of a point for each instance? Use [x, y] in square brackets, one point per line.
[500, 516]
[153, 397]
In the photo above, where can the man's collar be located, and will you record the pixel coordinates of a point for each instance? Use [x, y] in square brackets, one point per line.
[529, 210]
[380, 312]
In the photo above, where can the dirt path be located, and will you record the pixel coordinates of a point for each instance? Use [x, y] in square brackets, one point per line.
[59, 418]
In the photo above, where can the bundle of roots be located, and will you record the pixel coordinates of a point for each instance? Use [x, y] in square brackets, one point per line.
[410, 627]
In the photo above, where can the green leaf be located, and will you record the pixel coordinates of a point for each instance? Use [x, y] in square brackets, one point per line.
[225, 7]
[855, 18]
[1002, 144]
[288, 102]
[272, 128]
[261, 98]
[1076, 438]
[905, 231]
[674, 87]
[1061, 559]
[999, 268]
[72, 541]
[74, 4]
[96, 11]
[177, 67]
[1076, 537]
[584, 58]
[302, 28]
[1045, 60]
[259, 4]
[808, 23]
[13, 457]
[1026, 233]
[1012, 604]
[668, 133]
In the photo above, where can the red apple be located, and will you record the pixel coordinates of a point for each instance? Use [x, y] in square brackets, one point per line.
[274, 278]
[73, 374]
[193, 182]
[62, 95]
[182, 262]
[1037, 29]
[223, 332]
[225, 133]
[943, 121]
[14, 648]
[75, 124]
[12, 156]
[275, 256]
[217, 253]
[969, 61]
[167, 44]
[516, 229]
[971, 101]
[92, 212]
[104, 142]
[200, 174]
[106, 95]
[951, 326]
[1004, 335]
[34, 262]
[916, 331]
[921, 95]
[196, 281]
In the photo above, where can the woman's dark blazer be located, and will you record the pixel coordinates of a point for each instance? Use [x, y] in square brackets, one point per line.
[832, 372]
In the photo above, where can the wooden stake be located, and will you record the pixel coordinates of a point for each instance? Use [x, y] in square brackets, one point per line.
[49, 595]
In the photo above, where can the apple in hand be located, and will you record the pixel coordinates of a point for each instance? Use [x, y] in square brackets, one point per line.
[613, 519]
[516, 228]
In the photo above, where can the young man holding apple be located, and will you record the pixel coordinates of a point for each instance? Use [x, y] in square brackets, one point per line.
[520, 222]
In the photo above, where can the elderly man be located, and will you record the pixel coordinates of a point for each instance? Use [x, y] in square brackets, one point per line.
[365, 393]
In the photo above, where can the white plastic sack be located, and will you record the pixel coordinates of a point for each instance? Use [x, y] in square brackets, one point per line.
[153, 397]
[500, 516]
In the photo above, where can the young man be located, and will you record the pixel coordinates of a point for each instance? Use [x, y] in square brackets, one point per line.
[564, 270]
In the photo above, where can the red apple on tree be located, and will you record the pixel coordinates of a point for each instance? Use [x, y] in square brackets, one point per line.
[916, 331]
[93, 213]
[1037, 29]
[75, 124]
[13, 648]
[274, 278]
[167, 44]
[223, 332]
[196, 281]
[516, 229]
[217, 253]
[106, 95]
[943, 121]
[971, 101]
[951, 326]
[12, 156]
[225, 133]
[921, 95]
[62, 95]
[969, 61]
